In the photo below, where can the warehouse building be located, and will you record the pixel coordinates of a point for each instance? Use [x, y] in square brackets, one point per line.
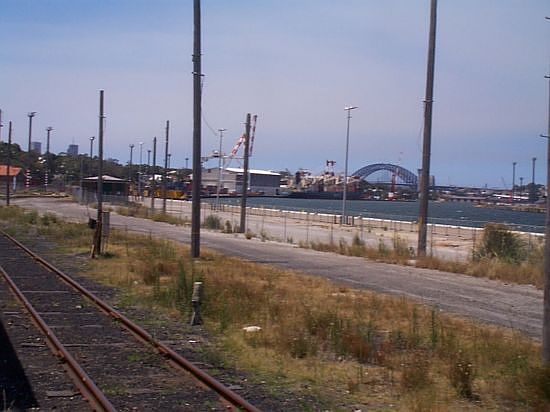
[260, 181]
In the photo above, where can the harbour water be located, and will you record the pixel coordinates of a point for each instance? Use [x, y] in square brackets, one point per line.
[449, 213]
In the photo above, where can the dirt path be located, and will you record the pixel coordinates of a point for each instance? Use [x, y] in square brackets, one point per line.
[515, 306]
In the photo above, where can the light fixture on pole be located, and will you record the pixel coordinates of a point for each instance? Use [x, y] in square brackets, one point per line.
[28, 174]
[520, 185]
[219, 169]
[345, 189]
[92, 147]
[532, 192]
[130, 163]
[30, 115]
[46, 174]
[513, 180]
[139, 171]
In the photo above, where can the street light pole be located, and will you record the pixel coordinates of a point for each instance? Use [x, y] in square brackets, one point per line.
[533, 194]
[28, 174]
[130, 163]
[219, 169]
[520, 186]
[154, 181]
[46, 177]
[165, 171]
[92, 147]
[139, 171]
[513, 181]
[345, 190]
[31, 115]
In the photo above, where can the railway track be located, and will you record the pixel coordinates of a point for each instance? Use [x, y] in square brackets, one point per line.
[113, 362]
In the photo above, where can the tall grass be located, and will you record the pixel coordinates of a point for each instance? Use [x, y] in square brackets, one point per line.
[500, 254]
[339, 338]
[348, 346]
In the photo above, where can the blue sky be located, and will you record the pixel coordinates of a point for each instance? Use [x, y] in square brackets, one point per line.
[297, 64]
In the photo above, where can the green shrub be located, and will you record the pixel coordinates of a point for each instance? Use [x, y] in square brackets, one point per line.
[498, 242]
[212, 222]
[228, 227]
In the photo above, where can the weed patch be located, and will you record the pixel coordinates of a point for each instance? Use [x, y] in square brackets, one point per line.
[348, 346]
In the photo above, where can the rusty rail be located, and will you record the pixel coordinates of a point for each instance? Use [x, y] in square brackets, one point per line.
[84, 384]
[168, 353]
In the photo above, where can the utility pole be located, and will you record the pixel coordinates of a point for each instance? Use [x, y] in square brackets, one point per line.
[91, 155]
[426, 148]
[344, 220]
[46, 177]
[99, 225]
[154, 181]
[149, 165]
[130, 163]
[31, 115]
[92, 147]
[1, 125]
[28, 173]
[164, 174]
[533, 194]
[513, 181]
[139, 171]
[546, 315]
[520, 185]
[219, 169]
[245, 173]
[196, 193]
[8, 167]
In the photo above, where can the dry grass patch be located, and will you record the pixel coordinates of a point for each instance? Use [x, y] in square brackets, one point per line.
[140, 211]
[352, 348]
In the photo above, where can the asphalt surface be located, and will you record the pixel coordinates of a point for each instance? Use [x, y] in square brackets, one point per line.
[493, 302]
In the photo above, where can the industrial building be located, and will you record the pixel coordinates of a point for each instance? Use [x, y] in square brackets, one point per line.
[260, 181]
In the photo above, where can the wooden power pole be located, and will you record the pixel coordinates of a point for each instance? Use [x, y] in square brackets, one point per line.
[96, 249]
[8, 164]
[154, 181]
[245, 173]
[546, 307]
[426, 149]
[164, 175]
[196, 192]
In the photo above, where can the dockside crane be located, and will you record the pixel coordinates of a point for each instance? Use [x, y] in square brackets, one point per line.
[226, 160]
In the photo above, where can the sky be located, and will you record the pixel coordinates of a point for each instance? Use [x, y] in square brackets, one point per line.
[296, 64]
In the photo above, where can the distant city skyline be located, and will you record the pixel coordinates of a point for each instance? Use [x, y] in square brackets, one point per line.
[296, 65]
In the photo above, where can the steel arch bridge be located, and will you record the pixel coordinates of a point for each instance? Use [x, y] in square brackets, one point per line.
[406, 176]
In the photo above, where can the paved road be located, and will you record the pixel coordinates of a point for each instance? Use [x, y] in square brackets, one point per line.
[515, 306]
